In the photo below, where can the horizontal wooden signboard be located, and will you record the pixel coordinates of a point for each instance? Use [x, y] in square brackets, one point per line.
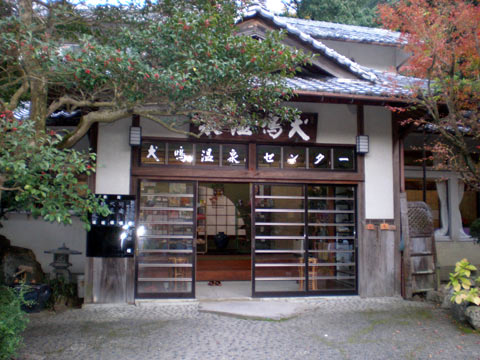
[301, 130]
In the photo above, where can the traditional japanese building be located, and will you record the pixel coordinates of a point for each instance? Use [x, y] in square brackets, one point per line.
[308, 208]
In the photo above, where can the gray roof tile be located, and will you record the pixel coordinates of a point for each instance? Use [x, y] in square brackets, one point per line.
[371, 82]
[389, 85]
[333, 31]
[356, 69]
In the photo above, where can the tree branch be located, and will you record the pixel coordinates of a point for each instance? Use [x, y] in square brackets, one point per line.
[168, 126]
[66, 100]
[18, 94]
[88, 120]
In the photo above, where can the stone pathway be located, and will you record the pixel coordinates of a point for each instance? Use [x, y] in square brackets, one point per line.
[329, 328]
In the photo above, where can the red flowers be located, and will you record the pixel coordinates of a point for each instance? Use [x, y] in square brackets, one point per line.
[253, 59]
[87, 71]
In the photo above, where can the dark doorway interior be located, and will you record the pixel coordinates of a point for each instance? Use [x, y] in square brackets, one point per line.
[223, 232]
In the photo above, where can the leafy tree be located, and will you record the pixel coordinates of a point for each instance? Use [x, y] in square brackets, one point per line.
[172, 62]
[443, 38]
[352, 12]
[38, 177]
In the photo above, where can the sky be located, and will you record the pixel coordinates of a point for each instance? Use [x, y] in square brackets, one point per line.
[275, 6]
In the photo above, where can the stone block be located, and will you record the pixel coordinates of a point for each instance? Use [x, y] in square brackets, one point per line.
[435, 296]
[472, 314]
[458, 311]
[447, 302]
[13, 257]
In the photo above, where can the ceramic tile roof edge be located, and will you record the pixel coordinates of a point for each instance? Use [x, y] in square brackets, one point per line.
[396, 38]
[318, 45]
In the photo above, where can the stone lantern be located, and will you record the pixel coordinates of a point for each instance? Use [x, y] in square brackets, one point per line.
[60, 261]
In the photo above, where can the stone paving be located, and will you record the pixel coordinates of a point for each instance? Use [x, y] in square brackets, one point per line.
[328, 328]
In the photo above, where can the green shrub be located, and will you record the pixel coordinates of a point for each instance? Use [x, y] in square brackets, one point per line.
[475, 230]
[63, 292]
[13, 321]
[464, 289]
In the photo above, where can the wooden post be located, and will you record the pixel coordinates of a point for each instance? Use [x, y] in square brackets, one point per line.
[406, 242]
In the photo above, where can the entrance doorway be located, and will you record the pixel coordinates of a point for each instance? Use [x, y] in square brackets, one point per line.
[271, 239]
[223, 238]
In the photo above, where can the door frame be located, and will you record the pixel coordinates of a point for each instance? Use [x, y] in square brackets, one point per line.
[307, 291]
[255, 294]
[168, 295]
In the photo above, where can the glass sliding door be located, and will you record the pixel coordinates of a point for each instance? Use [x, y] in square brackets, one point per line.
[165, 253]
[279, 238]
[331, 238]
[304, 239]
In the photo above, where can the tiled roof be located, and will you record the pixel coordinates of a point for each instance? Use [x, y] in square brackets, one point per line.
[388, 85]
[333, 31]
[355, 68]
[371, 82]
[328, 30]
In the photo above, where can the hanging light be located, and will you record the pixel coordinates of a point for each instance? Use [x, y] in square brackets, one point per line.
[362, 144]
[135, 136]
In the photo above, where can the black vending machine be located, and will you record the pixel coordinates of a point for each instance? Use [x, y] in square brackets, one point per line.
[113, 235]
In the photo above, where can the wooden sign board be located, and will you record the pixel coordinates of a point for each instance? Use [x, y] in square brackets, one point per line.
[303, 130]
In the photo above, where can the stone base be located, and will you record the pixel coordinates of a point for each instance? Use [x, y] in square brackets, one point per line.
[472, 314]
[458, 311]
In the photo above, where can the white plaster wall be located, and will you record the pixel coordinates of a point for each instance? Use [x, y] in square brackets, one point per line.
[337, 123]
[113, 158]
[38, 235]
[378, 164]
[151, 128]
[380, 57]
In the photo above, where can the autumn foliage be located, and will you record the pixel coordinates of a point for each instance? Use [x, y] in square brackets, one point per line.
[443, 38]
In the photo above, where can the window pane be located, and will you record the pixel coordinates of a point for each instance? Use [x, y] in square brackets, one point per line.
[268, 156]
[469, 209]
[294, 157]
[234, 155]
[153, 153]
[344, 159]
[207, 154]
[319, 158]
[180, 154]
[414, 189]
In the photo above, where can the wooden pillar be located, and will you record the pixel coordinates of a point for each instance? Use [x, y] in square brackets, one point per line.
[398, 185]
[362, 246]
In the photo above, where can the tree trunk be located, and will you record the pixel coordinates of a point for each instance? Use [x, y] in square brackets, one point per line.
[32, 68]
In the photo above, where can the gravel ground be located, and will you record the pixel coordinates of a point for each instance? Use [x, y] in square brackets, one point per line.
[334, 328]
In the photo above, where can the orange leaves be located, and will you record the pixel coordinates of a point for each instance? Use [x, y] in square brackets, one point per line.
[440, 34]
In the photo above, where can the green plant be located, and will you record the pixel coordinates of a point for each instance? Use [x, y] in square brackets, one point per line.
[13, 320]
[63, 292]
[464, 289]
[475, 230]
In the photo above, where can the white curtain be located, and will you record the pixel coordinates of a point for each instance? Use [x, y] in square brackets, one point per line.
[442, 195]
